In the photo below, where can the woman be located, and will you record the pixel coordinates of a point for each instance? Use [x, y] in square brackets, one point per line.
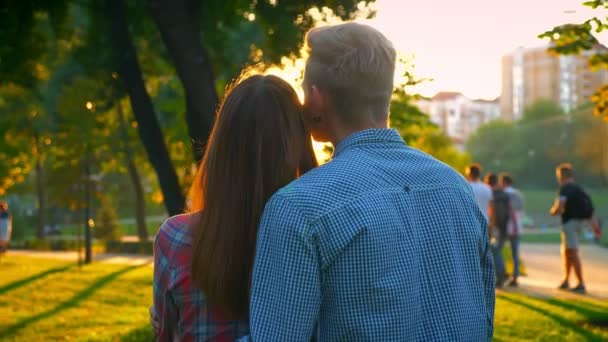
[203, 259]
[5, 227]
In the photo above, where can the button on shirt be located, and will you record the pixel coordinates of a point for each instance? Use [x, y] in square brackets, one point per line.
[383, 243]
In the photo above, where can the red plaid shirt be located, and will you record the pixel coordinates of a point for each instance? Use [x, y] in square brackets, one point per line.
[182, 309]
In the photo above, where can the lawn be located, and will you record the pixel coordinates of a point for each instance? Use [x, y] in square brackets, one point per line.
[50, 300]
[524, 318]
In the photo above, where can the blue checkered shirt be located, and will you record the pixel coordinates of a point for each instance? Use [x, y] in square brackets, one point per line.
[383, 243]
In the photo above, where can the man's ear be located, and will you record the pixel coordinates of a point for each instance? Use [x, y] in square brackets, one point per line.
[317, 113]
[318, 101]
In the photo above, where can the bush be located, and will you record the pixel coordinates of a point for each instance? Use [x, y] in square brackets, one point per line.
[106, 227]
[55, 244]
[119, 247]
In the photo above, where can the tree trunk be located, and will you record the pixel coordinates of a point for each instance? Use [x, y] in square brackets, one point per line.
[178, 23]
[143, 110]
[140, 202]
[40, 189]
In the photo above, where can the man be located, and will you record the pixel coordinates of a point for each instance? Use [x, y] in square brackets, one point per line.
[483, 193]
[382, 243]
[500, 213]
[574, 206]
[514, 227]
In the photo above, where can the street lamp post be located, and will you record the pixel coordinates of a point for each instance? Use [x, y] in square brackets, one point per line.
[88, 256]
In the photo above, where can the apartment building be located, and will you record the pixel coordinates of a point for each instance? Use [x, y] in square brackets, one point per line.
[532, 74]
[457, 115]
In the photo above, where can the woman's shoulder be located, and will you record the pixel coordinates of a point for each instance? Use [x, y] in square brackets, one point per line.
[174, 231]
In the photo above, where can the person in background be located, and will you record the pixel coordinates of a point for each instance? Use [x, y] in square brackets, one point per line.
[5, 226]
[575, 206]
[514, 227]
[500, 213]
[483, 193]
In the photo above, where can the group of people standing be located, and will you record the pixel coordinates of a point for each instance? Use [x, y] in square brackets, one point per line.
[503, 206]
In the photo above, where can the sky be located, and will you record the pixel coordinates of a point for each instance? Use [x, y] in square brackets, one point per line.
[460, 43]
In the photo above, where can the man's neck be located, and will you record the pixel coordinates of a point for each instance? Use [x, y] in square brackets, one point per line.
[341, 132]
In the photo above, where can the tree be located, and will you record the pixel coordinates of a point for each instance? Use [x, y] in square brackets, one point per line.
[543, 138]
[32, 33]
[497, 146]
[106, 225]
[234, 33]
[572, 39]
[110, 37]
[149, 130]
[591, 133]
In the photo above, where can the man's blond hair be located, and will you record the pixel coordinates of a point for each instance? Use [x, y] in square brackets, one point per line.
[355, 65]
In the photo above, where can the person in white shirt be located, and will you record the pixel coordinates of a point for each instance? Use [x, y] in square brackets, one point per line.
[514, 229]
[483, 193]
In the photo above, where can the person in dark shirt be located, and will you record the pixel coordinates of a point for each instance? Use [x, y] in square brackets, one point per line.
[575, 207]
[500, 213]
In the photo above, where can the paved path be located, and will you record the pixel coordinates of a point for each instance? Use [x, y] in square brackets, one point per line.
[73, 256]
[544, 267]
[543, 264]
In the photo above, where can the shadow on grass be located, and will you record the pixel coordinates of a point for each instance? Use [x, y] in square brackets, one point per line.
[22, 282]
[68, 304]
[141, 334]
[588, 335]
[594, 315]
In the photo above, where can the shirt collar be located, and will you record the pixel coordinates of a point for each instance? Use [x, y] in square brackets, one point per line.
[368, 136]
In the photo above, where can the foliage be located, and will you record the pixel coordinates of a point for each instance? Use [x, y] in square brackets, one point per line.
[56, 58]
[106, 226]
[572, 39]
[268, 30]
[544, 137]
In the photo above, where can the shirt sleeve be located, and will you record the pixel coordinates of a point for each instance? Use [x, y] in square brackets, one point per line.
[162, 296]
[286, 289]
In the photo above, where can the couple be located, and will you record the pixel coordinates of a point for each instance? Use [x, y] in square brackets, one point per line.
[382, 243]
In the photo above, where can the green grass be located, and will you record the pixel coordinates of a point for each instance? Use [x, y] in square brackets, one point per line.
[554, 237]
[524, 318]
[50, 300]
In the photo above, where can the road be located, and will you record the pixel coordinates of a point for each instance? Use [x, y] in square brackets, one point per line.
[544, 268]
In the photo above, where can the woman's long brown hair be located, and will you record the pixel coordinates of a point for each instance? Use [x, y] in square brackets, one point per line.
[258, 145]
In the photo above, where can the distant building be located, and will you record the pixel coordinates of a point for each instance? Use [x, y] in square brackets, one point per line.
[532, 74]
[457, 115]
